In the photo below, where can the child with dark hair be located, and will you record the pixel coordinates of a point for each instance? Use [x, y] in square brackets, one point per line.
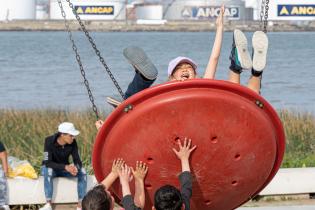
[169, 197]
[99, 198]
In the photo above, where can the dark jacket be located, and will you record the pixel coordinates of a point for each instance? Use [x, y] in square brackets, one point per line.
[57, 156]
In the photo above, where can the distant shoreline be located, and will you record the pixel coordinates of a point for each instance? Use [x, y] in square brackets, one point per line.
[132, 26]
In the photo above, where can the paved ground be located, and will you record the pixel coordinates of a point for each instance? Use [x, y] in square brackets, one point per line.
[300, 204]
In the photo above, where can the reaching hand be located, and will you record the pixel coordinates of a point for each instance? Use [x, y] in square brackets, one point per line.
[117, 164]
[124, 173]
[141, 170]
[98, 124]
[184, 150]
[219, 21]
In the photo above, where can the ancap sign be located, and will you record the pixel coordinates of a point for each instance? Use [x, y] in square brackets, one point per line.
[296, 10]
[94, 10]
[210, 12]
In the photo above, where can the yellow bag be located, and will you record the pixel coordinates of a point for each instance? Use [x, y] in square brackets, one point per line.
[21, 168]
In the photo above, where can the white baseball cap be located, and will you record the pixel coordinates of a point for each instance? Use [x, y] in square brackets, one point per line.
[173, 63]
[68, 128]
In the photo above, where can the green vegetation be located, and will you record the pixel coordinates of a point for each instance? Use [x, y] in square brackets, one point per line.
[300, 139]
[23, 133]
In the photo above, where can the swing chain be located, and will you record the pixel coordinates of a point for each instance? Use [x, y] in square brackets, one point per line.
[264, 14]
[77, 56]
[98, 53]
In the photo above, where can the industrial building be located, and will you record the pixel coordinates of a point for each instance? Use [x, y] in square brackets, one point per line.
[169, 10]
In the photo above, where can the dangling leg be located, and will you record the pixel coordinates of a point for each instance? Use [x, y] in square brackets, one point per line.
[137, 84]
[146, 72]
[254, 83]
[260, 48]
[240, 58]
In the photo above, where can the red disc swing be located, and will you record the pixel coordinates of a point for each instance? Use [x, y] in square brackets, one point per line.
[239, 137]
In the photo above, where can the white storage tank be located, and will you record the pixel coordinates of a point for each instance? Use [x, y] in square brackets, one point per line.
[149, 12]
[41, 12]
[206, 9]
[90, 9]
[17, 9]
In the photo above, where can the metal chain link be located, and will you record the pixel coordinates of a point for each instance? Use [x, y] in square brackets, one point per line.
[98, 53]
[264, 14]
[77, 56]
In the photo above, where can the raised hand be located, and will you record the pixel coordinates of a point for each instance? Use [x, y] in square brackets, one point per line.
[220, 18]
[141, 170]
[124, 177]
[117, 164]
[139, 173]
[184, 150]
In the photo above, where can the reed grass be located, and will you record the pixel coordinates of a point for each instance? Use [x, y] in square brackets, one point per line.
[300, 139]
[23, 133]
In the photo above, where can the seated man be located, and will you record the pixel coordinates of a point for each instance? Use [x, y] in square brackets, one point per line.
[3, 180]
[57, 151]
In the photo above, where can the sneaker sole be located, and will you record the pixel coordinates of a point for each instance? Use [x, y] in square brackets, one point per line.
[137, 57]
[242, 49]
[113, 101]
[260, 48]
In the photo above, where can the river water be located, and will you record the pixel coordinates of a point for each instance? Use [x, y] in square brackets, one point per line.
[39, 70]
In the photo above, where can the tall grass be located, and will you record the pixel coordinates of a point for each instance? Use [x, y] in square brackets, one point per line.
[300, 139]
[23, 133]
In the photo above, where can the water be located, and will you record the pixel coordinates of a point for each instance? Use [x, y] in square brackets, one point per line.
[38, 69]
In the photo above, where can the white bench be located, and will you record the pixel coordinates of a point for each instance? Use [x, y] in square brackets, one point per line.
[25, 191]
[28, 191]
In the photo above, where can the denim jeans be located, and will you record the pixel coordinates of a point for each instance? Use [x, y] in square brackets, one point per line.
[50, 173]
[137, 84]
[3, 188]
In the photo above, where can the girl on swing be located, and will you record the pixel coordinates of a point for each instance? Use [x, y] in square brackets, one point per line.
[183, 68]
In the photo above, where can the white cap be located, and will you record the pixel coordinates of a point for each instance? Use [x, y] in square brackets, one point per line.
[173, 63]
[68, 128]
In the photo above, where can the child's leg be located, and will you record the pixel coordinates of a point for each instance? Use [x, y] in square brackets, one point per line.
[137, 84]
[234, 77]
[239, 57]
[146, 72]
[260, 48]
[254, 83]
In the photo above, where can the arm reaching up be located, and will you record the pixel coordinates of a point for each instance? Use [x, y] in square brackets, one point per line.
[185, 177]
[216, 49]
[184, 153]
[113, 175]
[139, 175]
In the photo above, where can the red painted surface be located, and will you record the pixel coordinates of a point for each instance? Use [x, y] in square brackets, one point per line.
[240, 145]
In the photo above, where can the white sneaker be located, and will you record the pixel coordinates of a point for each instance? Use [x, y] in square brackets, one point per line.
[260, 48]
[5, 207]
[78, 208]
[46, 207]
